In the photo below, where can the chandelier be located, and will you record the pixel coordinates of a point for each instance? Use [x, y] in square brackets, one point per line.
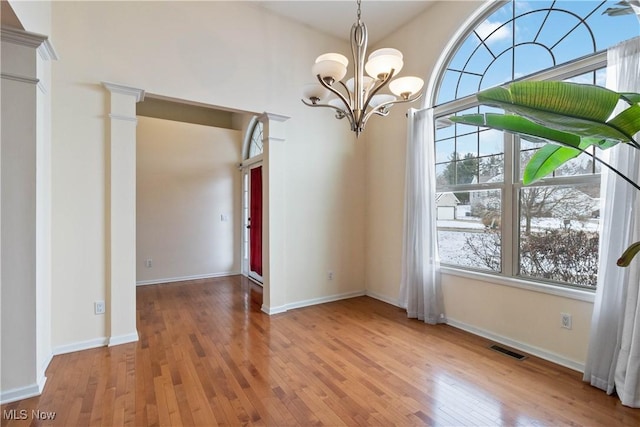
[359, 99]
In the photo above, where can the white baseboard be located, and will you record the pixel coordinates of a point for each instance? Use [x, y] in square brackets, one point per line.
[384, 298]
[123, 339]
[20, 393]
[80, 345]
[536, 351]
[185, 278]
[312, 301]
[28, 391]
[273, 310]
[95, 343]
[322, 300]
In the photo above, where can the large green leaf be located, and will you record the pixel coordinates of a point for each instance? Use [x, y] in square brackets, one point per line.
[518, 124]
[627, 121]
[568, 107]
[629, 254]
[631, 98]
[546, 160]
[550, 157]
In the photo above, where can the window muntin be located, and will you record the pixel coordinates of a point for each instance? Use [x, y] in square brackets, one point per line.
[558, 237]
[469, 229]
[523, 37]
[497, 225]
[255, 140]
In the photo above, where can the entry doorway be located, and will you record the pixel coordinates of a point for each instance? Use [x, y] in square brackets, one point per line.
[252, 212]
[252, 222]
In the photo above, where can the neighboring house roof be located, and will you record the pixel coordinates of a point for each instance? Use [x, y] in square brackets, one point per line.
[447, 199]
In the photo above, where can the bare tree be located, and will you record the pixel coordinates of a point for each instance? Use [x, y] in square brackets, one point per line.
[553, 201]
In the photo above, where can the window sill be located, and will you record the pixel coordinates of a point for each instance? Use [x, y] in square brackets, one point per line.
[576, 294]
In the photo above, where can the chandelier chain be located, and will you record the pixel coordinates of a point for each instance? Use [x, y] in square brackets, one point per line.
[358, 10]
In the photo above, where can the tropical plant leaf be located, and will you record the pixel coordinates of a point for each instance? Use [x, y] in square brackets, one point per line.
[588, 102]
[568, 107]
[629, 254]
[573, 115]
[546, 160]
[550, 157]
[518, 124]
[631, 98]
[602, 144]
[618, 11]
[628, 121]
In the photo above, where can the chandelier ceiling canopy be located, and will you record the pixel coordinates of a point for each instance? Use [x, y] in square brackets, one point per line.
[359, 97]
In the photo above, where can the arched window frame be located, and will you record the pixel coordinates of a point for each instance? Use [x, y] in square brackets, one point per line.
[254, 144]
[509, 260]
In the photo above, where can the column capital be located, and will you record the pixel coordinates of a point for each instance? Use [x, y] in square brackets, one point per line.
[125, 90]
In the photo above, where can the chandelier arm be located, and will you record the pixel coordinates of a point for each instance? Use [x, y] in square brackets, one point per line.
[346, 89]
[375, 111]
[377, 87]
[337, 93]
[378, 109]
[339, 112]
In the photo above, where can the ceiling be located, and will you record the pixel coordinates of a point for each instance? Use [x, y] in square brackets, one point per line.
[335, 17]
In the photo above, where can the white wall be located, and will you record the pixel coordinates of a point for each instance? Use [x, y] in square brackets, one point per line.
[35, 16]
[520, 317]
[229, 54]
[187, 178]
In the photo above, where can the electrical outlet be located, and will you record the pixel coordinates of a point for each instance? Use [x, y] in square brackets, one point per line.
[565, 320]
[330, 275]
[149, 263]
[99, 307]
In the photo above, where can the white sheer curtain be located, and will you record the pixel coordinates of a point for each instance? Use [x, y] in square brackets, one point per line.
[613, 359]
[420, 290]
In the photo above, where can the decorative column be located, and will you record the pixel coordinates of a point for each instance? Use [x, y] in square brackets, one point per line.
[121, 214]
[25, 217]
[274, 224]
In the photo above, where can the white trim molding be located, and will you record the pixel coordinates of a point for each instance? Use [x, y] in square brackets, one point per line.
[121, 218]
[123, 339]
[125, 90]
[312, 301]
[21, 393]
[22, 37]
[384, 298]
[274, 117]
[47, 51]
[185, 278]
[518, 345]
[125, 118]
[80, 345]
[494, 279]
[21, 79]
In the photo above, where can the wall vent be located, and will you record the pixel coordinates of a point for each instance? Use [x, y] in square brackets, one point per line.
[507, 352]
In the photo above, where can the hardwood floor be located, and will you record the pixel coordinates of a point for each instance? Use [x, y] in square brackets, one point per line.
[207, 356]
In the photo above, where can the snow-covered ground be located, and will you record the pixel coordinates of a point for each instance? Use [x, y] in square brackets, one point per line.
[452, 235]
[453, 250]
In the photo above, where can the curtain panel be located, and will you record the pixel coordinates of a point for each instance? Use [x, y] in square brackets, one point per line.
[613, 358]
[420, 290]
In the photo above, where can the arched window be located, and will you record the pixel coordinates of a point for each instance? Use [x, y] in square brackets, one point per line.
[487, 220]
[254, 142]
